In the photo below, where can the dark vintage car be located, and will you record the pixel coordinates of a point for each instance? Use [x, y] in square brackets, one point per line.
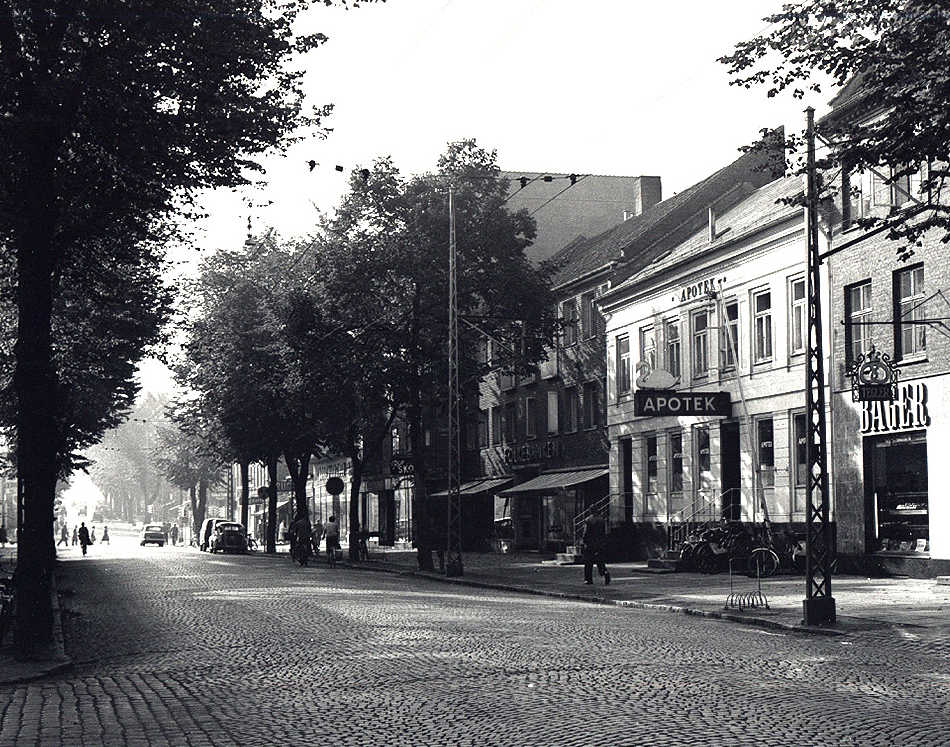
[229, 536]
[153, 533]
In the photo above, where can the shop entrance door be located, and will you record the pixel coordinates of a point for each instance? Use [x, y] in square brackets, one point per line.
[896, 494]
[731, 471]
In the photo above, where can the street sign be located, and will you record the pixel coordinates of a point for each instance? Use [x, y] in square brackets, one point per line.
[650, 403]
[335, 486]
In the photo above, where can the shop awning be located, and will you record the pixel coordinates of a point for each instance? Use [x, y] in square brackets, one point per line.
[553, 480]
[483, 485]
[280, 507]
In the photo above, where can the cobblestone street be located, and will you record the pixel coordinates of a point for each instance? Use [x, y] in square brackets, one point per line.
[176, 647]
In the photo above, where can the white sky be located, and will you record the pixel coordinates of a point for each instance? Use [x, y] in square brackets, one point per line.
[622, 87]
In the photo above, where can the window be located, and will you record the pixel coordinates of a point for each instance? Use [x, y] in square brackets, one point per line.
[651, 464]
[766, 447]
[511, 422]
[762, 321]
[676, 462]
[702, 449]
[496, 437]
[673, 348]
[569, 319]
[700, 343]
[798, 321]
[623, 364]
[730, 340]
[482, 428]
[571, 409]
[888, 190]
[589, 315]
[857, 313]
[590, 404]
[909, 312]
[800, 463]
[395, 442]
[552, 412]
[648, 346]
[530, 417]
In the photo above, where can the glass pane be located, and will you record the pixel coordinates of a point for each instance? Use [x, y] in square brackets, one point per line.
[919, 280]
[700, 322]
[905, 284]
[732, 312]
[798, 290]
[763, 302]
[623, 345]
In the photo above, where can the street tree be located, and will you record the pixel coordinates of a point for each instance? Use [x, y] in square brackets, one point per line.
[391, 271]
[893, 56]
[112, 115]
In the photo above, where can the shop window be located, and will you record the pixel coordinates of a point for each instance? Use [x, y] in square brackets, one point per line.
[590, 404]
[623, 364]
[899, 492]
[530, 417]
[482, 428]
[857, 313]
[496, 432]
[797, 316]
[702, 449]
[762, 321]
[569, 321]
[676, 462]
[652, 466]
[648, 346]
[766, 452]
[700, 343]
[800, 460]
[673, 348]
[552, 412]
[909, 312]
[730, 341]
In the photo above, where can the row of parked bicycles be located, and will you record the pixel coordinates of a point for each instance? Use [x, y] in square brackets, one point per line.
[716, 546]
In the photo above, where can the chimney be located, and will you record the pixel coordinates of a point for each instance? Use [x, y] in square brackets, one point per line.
[712, 224]
[649, 193]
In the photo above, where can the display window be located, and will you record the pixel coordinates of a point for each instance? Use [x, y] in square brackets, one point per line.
[899, 509]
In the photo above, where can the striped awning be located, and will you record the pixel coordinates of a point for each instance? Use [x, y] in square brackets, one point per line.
[482, 485]
[553, 480]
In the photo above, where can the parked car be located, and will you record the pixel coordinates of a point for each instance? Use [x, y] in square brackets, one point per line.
[229, 536]
[207, 532]
[153, 533]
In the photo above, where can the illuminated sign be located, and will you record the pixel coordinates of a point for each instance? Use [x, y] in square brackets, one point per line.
[662, 403]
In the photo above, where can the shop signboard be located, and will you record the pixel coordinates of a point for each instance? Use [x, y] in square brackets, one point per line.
[664, 403]
[873, 377]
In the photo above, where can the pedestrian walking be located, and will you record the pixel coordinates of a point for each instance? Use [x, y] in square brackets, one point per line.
[316, 535]
[332, 533]
[105, 536]
[174, 533]
[63, 537]
[595, 545]
[75, 536]
[3, 535]
[92, 537]
[84, 539]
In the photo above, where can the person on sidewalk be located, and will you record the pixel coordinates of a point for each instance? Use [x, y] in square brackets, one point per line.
[105, 536]
[315, 536]
[63, 537]
[595, 546]
[173, 533]
[84, 540]
[332, 532]
[75, 535]
[92, 537]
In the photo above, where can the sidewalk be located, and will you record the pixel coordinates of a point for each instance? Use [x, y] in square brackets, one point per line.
[862, 603]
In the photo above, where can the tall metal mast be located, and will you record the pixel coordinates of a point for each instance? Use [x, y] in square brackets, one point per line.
[818, 605]
[453, 555]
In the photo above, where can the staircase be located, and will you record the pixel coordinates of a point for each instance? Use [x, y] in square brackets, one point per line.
[683, 523]
[573, 553]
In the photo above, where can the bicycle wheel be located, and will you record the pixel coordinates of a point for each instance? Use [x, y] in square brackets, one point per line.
[763, 562]
[705, 559]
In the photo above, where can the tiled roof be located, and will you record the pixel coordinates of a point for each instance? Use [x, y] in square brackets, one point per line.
[757, 210]
[650, 234]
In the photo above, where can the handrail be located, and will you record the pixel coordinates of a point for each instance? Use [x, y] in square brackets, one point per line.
[597, 506]
[677, 531]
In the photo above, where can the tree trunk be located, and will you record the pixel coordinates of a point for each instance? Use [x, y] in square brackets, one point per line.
[299, 468]
[202, 500]
[195, 518]
[245, 492]
[420, 502]
[356, 480]
[270, 536]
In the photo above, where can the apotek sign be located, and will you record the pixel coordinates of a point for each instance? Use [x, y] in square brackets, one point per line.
[663, 403]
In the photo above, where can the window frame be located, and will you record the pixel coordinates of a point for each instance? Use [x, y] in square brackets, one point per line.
[483, 438]
[762, 450]
[671, 342]
[496, 417]
[675, 473]
[766, 318]
[797, 311]
[727, 352]
[569, 334]
[695, 337]
[623, 371]
[552, 422]
[648, 332]
[571, 424]
[530, 416]
[798, 505]
[851, 316]
[652, 479]
[590, 405]
[917, 300]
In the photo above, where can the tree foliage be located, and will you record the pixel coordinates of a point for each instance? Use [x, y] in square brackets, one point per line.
[895, 57]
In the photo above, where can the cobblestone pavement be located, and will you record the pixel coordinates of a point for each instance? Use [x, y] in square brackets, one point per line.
[172, 646]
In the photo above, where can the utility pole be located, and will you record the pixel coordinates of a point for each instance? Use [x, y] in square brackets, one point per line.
[453, 554]
[230, 491]
[818, 605]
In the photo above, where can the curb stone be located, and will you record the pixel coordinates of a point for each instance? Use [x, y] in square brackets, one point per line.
[759, 622]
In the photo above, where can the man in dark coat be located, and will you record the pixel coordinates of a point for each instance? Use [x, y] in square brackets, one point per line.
[84, 540]
[595, 546]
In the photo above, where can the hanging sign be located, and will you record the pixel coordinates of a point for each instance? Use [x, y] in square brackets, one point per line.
[660, 403]
[873, 377]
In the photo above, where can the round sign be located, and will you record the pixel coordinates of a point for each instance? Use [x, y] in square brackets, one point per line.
[335, 486]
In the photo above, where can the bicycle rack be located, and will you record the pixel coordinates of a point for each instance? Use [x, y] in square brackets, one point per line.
[746, 600]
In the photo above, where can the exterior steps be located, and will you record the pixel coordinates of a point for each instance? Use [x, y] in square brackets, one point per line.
[670, 565]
